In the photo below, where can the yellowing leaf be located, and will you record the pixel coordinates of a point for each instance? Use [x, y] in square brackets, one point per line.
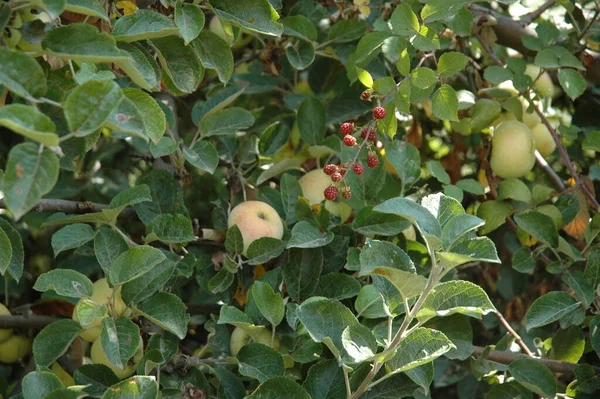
[127, 6]
[364, 77]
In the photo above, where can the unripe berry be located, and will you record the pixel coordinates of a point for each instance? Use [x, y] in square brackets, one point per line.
[372, 159]
[366, 95]
[331, 193]
[358, 168]
[368, 134]
[347, 192]
[349, 140]
[346, 128]
[330, 169]
[336, 177]
[379, 113]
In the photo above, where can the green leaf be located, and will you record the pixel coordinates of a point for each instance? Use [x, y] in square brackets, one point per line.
[89, 105]
[215, 53]
[479, 249]
[141, 68]
[97, 377]
[592, 267]
[264, 249]
[133, 263]
[299, 26]
[327, 319]
[166, 146]
[290, 192]
[484, 113]
[523, 260]
[190, 20]
[202, 155]
[338, 286]
[305, 235]
[167, 311]
[108, 245]
[458, 226]
[171, 229]
[145, 286]
[549, 308]
[311, 121]
[423, 78]
[140, 115]
[436, 10]
[583, 290]
[437, 170]
[445, 103]
[65, 282]
[234, 242]
[6, 253]
[421, 346]
[83, 43]
[215, 102]
[403, 64]
[370, 222]
[470, 186]
[456, 297]
[71, 236]
[21, 74]
[572, 82]
[131, 196]
[180, 63]
[347, 30]
[404, 21]
[39, 384]
[423, 220]
[377, 253]
[30, 174]
[397, 386]
[451, 63]
[408, 284]
[301, 273]
[568, 345]
[325, 380]
[15, 265]
[226, 122]
[268, 302]
[120, 339]
[136, 387]
[539, 225]
[167, 196]
[496, 74]
[534, 376]
[260, 362]
[300, 54]
[255, 15]
[592, 141]
[514, 189]
[29, 122]
[370, 303]
[54, 340]
[143, 25]
[494, 213]
[406, 160]
[93, 8]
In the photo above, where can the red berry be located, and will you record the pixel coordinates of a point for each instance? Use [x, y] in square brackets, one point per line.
[336, 177]
[366, 95]
[358, 168]
[372, 159]
[368, 134]
[379, 113]
[349, 140]
[347, 192]
[346, 128]
[330, 169]
[331, 193]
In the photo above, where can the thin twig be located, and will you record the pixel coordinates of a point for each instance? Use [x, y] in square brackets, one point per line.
[530, 17]
[514, 334]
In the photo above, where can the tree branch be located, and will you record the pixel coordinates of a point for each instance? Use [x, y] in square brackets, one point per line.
[530, 17]
[71, 207]
[555, 366]
[33, 321]
[514, 334]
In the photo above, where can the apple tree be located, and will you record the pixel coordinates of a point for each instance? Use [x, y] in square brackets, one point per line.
[334, 199]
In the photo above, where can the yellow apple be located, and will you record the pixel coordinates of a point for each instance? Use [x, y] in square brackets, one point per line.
[513, 150]
[239, 338]
[544, 85]
[90, 331]
[531, 119]
[5, 333]
[14, 348]
[63, 376]
[255, 219]
[544, 142]
[13, 38]
[98, 357]
[313, 186]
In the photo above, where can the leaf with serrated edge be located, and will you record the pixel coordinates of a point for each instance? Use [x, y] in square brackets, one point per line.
[65, 282]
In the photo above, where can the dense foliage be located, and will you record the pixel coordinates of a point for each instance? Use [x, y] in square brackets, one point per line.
[299, 199]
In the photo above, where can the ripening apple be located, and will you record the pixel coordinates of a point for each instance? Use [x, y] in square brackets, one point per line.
[544, 85]
[313, 186]
[14, 348]
[5, 333]
[239, 338]
[544, 142]
[99, 357]
[513, 150]
[63, 376]
[255, 219]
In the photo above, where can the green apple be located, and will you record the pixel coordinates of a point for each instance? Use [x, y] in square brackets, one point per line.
[239, 338]
[99, 357]
[513, 150]
[5, 333]
[63, 376]
[255, 219]
[544, 142]
[313, 186]
[543, 85]
[14, 348]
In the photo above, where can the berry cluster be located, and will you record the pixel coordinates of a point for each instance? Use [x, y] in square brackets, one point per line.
[368, 134]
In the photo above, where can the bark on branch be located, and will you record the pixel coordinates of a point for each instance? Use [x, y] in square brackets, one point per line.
[71, 207]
